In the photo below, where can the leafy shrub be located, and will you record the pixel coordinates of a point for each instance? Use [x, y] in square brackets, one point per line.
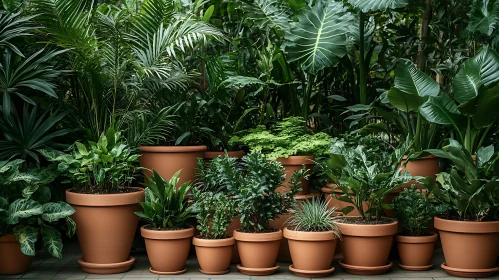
[165, 205]
[220, 175]
[214, 213]
[313, 215]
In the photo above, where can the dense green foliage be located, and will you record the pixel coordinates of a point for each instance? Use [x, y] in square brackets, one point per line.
[220, 175]
[214, 212]
[313, 215]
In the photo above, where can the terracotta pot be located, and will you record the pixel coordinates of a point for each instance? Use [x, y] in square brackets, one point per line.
[469, 246]
[416, 252]
[311, 251]
[426, 166]
[167, 250]
[235, 224]
[105, 227]
[258, 252]
[292, 164]
[214, 255]
[330, 193]
[366, 246]
[211, 155]
[13, 261]
[167, 160]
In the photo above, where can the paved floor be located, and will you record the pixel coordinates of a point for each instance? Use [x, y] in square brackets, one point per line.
[45, 267]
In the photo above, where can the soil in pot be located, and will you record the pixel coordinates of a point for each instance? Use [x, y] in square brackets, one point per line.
[12, 260]
[292, 164]
[167, 160]
[258, 251]
[208, 155]
[214, 255]
[105, 227]
[416, 252]
[167, 250]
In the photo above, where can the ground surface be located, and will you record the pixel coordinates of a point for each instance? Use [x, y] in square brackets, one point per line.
[49, 268]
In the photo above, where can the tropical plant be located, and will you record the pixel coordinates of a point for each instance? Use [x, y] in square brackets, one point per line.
[214, 212]
[219, 175]
[313, 215]
[290, 137]
[105, 166]
[469, 190]
[26, 210]
[166, 206]
[366, 177]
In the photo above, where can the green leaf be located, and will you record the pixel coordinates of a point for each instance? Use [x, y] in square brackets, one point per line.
[484, 154]
[378, 5]
[208, 13]
[82, 149]
[347, 209]
[52, 241]
[11, 5]
[264, 13]
[442, 110]
[26, 235]
[71, 227]
[403, 101]
[23, 208]
[410, 80]
[487, 108]
[484, 16]
[54, 211]
[318, 39]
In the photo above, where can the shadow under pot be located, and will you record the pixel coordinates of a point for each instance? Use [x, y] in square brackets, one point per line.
[470, 248]
[105, 227]
[167, 250]
[13, 261]
[258, 252]
[214, 255]
[366, 247]
[416, 252]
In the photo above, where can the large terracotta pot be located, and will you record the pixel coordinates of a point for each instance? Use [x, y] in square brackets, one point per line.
[258, 252]
[167, 250]
[292, 164]
[167, 160]
[214, 255]
[235, 224]
[470, 248]
[416, 252]
[208, 155]
[105, 227]
[12, 260]
[366, 247]
[426, 166]
[312, 252]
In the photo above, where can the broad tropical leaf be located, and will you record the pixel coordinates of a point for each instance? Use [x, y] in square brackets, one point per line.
[442, 110]
[403, 101]
[54, 211]
[26, 235]
[265, 13]
[378, 5]
[319, 39]
[23, 208]
[487, 108]
[484, 16]
[52, 242]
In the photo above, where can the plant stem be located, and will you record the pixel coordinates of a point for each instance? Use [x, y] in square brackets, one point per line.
[362, 66]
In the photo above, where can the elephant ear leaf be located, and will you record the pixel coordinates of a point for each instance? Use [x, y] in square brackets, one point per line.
[54, 211]
[319, 37]
[52, 241]
[26, 236]
[21, 209]
[484, 17]
[378, 5]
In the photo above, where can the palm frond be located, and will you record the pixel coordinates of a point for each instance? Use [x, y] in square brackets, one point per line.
[13, 25]
[148, 128]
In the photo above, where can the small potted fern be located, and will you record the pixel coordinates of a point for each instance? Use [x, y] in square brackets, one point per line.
[312, 233]
[167, 211]
[213, 245]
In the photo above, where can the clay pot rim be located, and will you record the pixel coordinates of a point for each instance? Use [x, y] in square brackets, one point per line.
[104, 266]
[312, 272]
[213, 243]
[116, 199]
[215, 154]
[368, 230]
[466, 226]
[444, 266]
[173, 149]
[8, 238]
[257, 237]
[366, 268]
[308, 196]
[166, 234]
[417, 239]
[431, 156]
[297, 160]
[309, 235]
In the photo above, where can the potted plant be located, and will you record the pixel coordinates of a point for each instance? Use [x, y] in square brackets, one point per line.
[257, 204]
[167, 211]
[104, 203]
[289, 142]
[469, 229]
[414, 211]
[213, 246]
[27, 215]
[367, 179]
[312, 233]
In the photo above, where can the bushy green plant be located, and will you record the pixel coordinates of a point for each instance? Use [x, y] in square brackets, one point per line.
[414, 210]
[470, 191]
[214, 213]
[165, 205]
[290, 137]
[26, 210]
[366, 177]
[220, 175]
[105, 166]
[313, 215]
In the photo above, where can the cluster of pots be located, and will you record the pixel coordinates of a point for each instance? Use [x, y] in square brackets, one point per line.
[106, 225]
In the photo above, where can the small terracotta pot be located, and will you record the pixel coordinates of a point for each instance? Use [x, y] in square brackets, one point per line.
[258, 252]
[167, 160]
[167, 250]
[105, 227]
[416, 252]
[211, 155]
[366, 246]
[469, 247]
[311, 251]
[13, 261]
[214, 255]
[292, 164]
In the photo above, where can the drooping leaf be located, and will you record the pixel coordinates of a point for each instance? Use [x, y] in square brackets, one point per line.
[54, 211]
[378, 5]
[52, 242]
[26, 235]
[403, 101]
[23, 208]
